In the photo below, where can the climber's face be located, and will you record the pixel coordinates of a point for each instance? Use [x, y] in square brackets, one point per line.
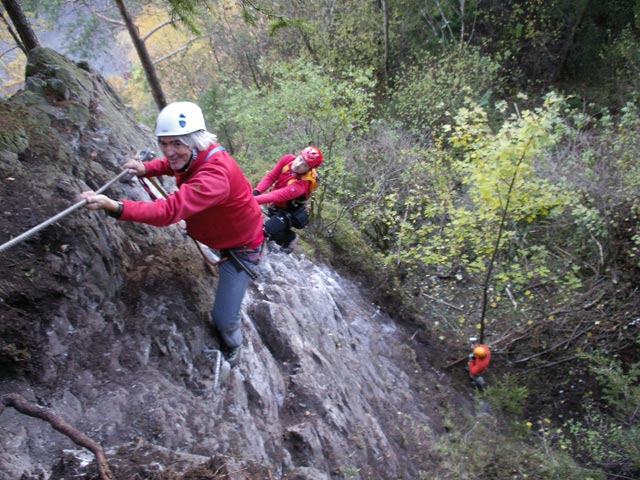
[300, 165]
[177, 153]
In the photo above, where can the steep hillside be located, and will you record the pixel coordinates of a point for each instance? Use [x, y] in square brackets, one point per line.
[106, 323]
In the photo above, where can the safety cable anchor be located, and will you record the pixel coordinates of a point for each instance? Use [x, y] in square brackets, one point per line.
[216, 369]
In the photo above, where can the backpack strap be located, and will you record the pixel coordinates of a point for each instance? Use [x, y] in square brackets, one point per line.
[312, 177]
[215, 150]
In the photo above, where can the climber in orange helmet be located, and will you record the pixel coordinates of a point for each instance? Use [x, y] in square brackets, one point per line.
[478, 363]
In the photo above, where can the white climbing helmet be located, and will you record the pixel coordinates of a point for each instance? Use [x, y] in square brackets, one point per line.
[179, 118]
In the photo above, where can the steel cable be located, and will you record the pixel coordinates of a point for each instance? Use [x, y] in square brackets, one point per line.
[59, 216]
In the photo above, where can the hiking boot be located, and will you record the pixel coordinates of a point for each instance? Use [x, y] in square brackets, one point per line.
[478, 382]
[289, 247]
[231, 355]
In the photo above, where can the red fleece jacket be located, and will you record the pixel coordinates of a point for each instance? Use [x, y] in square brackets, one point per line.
[213, 197]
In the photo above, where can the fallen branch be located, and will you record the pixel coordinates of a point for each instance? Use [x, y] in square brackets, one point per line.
[23, 406]
[443, 302]
[564, 342]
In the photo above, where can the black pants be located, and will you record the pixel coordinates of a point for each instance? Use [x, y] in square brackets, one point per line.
[278, 227]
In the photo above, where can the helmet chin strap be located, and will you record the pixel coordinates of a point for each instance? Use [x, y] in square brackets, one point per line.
[194, 152]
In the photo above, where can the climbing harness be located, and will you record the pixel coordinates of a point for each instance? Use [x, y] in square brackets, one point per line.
[60, 215]
[253, 275]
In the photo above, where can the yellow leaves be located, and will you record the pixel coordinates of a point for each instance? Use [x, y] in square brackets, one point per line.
[472, 127]
[499, 167]
[12, 66]
[184, 60]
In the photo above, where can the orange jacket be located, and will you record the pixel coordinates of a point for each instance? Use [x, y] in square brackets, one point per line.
[479, 365]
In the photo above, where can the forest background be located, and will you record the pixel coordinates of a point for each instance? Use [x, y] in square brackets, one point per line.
[481, 177]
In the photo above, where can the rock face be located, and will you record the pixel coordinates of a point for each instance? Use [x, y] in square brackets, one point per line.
[106, 323]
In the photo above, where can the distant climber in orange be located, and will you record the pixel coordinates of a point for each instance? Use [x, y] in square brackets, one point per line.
[478, 363]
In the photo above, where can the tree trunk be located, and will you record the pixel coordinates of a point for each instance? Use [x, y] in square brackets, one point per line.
[28, 38]
[568, 44]
[385, 28]
[143, 54]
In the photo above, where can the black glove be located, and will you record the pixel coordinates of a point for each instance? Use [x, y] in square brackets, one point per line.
[256, 193]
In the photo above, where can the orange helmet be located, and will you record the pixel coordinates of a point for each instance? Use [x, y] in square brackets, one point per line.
[312, 155]
[480, 352]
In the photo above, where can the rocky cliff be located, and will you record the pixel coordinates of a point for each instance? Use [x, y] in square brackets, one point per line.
[106, 323]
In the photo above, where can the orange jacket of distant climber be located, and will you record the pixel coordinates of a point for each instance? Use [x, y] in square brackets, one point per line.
[479, 361]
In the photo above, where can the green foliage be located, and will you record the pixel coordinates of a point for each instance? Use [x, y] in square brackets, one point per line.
[301, 105]
[528, 34]
[350, 250]
[448, 25]
[347, 34]
[576, 41]
[186, 11]
[147, 110]
[48, 7]
[599, 161]
[598, 441]
[621, 387]
[490, 162]
[507, 397]
[606, 435]
[429, 93]
[433, 210]
[621, 68]
[499, 170]
[482, 449]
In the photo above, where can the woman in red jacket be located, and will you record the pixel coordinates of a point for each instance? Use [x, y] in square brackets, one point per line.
[214, 199]
[291, 180]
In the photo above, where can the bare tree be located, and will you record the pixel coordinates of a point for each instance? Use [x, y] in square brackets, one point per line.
[385, 29]
[25, 37]
[143, 54]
